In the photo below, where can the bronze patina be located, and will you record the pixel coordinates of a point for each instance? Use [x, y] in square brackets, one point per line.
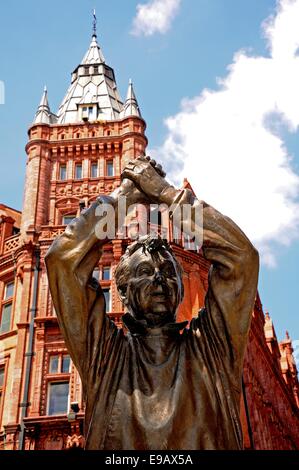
[162, 385]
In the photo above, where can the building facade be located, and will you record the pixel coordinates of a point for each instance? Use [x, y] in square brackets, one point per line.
[72, 157]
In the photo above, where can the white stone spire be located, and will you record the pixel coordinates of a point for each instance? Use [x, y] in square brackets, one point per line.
[93, 93]
[130, 107]
[43, 114]
[94, 54]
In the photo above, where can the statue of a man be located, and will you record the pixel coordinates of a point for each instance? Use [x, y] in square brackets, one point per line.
[161, 385]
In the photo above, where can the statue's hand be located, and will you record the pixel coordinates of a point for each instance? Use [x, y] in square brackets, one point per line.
[147, 176]
[132, 194]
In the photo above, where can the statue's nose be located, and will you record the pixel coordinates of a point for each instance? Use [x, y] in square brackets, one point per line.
[158, 278]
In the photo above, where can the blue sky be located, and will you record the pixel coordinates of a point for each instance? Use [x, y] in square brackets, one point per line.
[42, 42]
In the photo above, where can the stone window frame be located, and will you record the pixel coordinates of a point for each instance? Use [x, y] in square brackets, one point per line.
[76, 165]
[71, 216]
[64, 165]
[51, 382]
[106, 284]
[6, 301]
[109, 160]
[54, 377]
[62, 208]
[93, 163]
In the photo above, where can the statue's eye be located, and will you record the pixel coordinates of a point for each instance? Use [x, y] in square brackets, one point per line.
[168, 271]
[145, 271]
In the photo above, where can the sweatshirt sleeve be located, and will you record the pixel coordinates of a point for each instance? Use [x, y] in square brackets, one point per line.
[77, 297]
[233, 278]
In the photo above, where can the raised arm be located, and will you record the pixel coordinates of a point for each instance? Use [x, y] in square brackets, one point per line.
[70, 262]
[77, 297]
[233, 278]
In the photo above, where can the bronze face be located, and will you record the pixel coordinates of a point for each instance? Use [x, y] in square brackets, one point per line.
[152, 289]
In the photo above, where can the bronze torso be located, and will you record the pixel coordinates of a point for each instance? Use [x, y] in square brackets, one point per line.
[156, 389]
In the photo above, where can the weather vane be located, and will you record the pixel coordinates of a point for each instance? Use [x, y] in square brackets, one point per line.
[94, 27]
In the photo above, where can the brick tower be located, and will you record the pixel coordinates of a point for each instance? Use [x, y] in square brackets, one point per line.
[72, 157]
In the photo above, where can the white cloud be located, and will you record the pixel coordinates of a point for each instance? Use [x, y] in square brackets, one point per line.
[154, 16]
[229, 142]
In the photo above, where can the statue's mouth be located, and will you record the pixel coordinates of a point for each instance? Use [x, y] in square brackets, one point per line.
[158, 294]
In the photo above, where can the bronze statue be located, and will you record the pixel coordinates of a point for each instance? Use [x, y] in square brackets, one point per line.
[161, 385]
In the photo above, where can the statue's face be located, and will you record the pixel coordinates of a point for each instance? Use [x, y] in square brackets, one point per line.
[154, 288]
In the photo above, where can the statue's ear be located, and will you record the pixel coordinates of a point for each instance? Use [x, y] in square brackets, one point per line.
[182, 291]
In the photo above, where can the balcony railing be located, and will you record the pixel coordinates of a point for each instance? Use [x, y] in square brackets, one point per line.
[48, 231]
[11, 243]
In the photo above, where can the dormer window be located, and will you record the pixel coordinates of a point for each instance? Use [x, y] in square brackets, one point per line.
[89, 113]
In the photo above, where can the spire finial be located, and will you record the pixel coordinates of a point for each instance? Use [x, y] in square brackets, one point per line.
[94, 24]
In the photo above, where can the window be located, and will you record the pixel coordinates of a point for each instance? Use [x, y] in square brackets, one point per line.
[78, 171]
[62, 172]
[65, 364]
[6, 318]
[9, 288]
[109, 169]
[106, 273]
[1, 384]
[96, 274]
[106, 293]
[59, 364]
[94, 170]
[53, 369]
[58, 386]
[6, 308]
[58, 398]
[66, 219]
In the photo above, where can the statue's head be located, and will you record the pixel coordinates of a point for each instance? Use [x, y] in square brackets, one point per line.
[149, 281]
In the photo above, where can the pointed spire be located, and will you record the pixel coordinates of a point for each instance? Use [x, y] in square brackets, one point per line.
[43, 114]
[94, 55]
[44, 100]
[94, 25]
[131, 107]
[93, 83]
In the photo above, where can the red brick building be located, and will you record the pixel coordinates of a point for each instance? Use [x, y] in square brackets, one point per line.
[72, 157]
